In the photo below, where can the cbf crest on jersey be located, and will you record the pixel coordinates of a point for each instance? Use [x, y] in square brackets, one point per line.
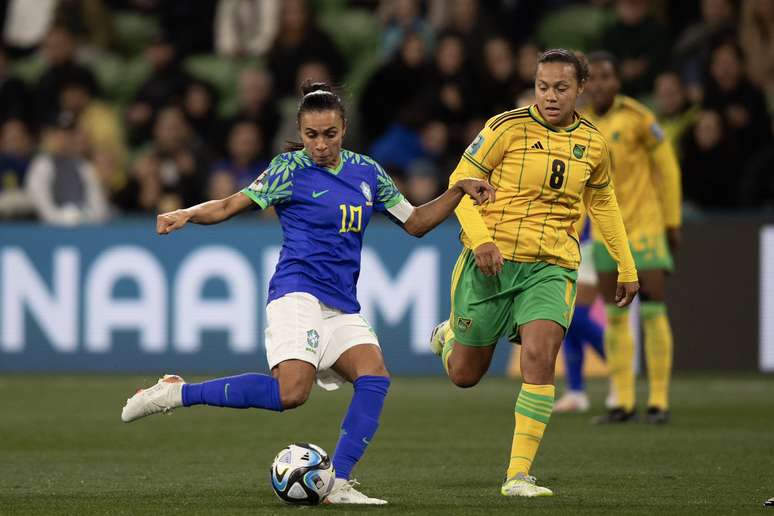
[477, 143]
[366, 191]
[578, 150]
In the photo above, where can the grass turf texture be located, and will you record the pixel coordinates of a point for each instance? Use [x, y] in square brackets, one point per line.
[440, 450]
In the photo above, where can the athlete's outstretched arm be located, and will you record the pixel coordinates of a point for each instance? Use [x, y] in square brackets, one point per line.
[210, 212]
[424, 218]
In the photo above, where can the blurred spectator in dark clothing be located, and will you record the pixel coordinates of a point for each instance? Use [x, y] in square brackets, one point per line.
[709, 160]
[741, 104]
[393, 92]
[62, 185]
[639, 42]
[15, 98]
[246, 28]
[242, 164]
[428, 175]
[183, 165]
[258, 104]
[758, 184]
[526, 66]
[189, 25]
[200, 103]
[470, 21]
[499, 85]
[451, 92]
[61, 69]
[400, 18]
[692, 50]
[166, 85]
[757, 38]
[314, 71]
[100, 126]
[675, 113]
[299, 40]
[16, 148]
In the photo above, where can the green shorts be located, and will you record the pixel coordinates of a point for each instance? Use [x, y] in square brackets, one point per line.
[649, 252]
[484, 308]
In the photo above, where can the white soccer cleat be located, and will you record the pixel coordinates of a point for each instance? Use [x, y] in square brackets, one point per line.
[572, 401]
[524, 485]
[344, 492]
[165, 396]
[438, 337]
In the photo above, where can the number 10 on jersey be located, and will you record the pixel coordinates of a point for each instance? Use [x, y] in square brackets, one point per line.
[351, 218]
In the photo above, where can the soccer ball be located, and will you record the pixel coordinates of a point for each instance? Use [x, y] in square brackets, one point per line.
[302, 474]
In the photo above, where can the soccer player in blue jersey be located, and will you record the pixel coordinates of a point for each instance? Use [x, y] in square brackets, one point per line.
[324, 197]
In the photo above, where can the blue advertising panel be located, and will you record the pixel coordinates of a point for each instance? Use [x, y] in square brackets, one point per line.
[120, 298]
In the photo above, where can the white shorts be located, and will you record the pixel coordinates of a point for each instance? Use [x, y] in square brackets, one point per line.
[587, 274]
[300, 327]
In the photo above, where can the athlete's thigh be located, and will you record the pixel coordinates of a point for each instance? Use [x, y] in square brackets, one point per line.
[470, 359]
[360, 360]
[294, 329]
[480, 304]
[540, 343]
[351, 349]
[548, 294]
[652, 285]
[294, 376]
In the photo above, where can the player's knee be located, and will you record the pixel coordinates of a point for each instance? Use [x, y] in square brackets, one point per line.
[293, 396]
[464, 379]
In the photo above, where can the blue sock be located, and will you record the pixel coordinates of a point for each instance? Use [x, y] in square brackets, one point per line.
[243, 391]
[573, 360]
[588, 329]
[360, 423]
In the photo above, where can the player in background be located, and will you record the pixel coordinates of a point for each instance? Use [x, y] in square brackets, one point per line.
[324, 197]
[583, 330]
[517, 272]
[647, 182]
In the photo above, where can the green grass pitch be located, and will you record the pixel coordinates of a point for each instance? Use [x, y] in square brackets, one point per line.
[440, 450]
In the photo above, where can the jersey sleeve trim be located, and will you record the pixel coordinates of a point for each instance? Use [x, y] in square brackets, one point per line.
[401, 209]
[392, 201]
[476, 164]
[598, 187]
[257, 200]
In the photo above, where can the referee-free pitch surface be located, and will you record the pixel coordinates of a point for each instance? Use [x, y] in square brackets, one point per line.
[440, 450]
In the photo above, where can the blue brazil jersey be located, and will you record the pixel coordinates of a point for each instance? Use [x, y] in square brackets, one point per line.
[323, 213]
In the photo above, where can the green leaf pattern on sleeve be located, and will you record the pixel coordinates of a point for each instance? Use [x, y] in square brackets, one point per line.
[386, 191]
[275, 185]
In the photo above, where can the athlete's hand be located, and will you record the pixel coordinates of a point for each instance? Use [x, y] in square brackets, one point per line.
[674, 238]
[172, 220]
[625, 292]
[478, 189]
[488, 259]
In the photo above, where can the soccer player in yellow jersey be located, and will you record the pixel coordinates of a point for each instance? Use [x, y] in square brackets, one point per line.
[516, 274]
[647, 183]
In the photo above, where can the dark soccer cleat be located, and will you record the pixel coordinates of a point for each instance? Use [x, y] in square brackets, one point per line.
[616, 415]
[657, 416]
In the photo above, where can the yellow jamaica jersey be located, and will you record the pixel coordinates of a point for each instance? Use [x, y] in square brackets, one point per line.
[645, 170]
[541, 174]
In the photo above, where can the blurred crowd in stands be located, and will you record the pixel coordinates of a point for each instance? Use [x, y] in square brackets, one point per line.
[116, 107]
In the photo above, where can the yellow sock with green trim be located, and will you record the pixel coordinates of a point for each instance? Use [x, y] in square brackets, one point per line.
[619, 354]
[658, 352]
[533, 410]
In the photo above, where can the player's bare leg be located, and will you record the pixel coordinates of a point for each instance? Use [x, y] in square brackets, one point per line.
[541, 341]
[296, 379]
[363, 366]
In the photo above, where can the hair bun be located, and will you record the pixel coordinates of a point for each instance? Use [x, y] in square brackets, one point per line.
[310, 87]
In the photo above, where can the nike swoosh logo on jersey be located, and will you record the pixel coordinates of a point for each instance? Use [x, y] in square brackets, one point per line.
[315, 195]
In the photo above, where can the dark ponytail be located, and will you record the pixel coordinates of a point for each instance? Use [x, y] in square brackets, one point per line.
[316, 96]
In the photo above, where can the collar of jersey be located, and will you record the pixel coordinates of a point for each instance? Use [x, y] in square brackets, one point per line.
[334, 171]
[535, 114]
